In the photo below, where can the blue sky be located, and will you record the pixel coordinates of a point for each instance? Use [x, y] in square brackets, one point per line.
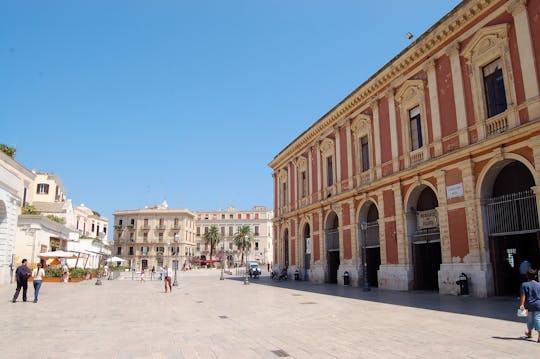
[133, 102]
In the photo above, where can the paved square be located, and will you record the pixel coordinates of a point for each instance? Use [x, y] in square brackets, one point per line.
[208, 318]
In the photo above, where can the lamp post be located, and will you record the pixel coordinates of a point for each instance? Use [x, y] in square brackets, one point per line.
[98, 281]
[246, 280]
[176, 249]
[363, 227]
[222, 258]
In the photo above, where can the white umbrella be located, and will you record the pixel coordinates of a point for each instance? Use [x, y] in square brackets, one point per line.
[115, 259]
[57, 254]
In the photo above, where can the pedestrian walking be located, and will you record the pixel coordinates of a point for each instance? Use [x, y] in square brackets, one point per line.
[142, 275]
[22, 273]
[167, 275]
[530, 300]
[152, 273]
[65, 273]
[37, 273]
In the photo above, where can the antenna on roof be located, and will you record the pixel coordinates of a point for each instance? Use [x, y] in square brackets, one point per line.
[409, 35]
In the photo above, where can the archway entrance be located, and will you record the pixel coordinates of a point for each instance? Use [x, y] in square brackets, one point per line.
[332, 247]
[286, 248]
[307, 251]
[511, 222]
[369, 243]
[423, 223]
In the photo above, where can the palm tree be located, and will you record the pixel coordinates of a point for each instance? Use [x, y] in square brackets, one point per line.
[212, 237]
[242, 240]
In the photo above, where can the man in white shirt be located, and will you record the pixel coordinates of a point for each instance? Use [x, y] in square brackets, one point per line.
[167, 277]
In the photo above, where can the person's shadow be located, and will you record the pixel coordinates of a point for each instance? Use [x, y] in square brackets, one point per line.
[522, 338]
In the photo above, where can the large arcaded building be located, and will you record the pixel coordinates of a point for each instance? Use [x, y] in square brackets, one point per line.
[430, 168]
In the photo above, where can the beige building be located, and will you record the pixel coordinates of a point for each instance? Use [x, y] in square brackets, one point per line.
[259, 219]
[89, 223]
[154, 236]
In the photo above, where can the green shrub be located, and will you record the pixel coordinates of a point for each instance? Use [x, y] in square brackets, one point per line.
[53, 272]
[77, 272]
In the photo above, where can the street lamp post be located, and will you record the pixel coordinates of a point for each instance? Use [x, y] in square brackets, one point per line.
[222, 258]
[98, 281]
[175, 283]
[363, 227]
[246, 280]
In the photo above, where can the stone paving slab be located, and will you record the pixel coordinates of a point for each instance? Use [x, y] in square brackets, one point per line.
[208, 318]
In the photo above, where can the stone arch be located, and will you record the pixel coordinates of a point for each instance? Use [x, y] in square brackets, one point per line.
[369, 249]
[508, 220]
[423, 235]
[332, 246]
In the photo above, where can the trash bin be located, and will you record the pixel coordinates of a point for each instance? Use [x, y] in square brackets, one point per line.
[297, 275]
[346, 278]
[463, 283]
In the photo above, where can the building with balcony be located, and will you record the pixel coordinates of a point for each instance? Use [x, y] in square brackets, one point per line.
[229, 221]
[154, 236]
[429, 169]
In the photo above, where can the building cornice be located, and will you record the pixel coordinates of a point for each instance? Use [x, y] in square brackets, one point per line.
[451, 24]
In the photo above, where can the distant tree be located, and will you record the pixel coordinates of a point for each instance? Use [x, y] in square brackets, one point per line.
[243, 239]
[56, 219]
[212, 237]
[10, 151]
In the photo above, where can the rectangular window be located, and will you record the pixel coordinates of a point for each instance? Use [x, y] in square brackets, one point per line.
[130, 251]
[256, 230]
[118, 251]
[329, 171]
[145, 236]
[256, 216]
[205, 230]
[105, 230]
[364, 153]
[43, 188]
[120, 222]
[494, 88]
[198, 231]
[145, 250]
[256, 246]
[284, 194]
[144, 263]
[248, 215]
[223, 216]
[230, 230]
[161, 221]
[131, 237]
[145, 223]
[416, 128]
[160, 250]
[132, 222]
[92, 227]
[303, 184]
[176, 223]
[160, 235]
[222, 231]
[239, 215]
[231, 216]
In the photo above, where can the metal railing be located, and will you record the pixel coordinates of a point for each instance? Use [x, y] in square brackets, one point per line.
[512, 213]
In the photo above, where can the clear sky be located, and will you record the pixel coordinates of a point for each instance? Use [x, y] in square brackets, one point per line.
[131, 102]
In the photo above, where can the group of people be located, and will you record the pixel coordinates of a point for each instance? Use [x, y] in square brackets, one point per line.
[22, 274]
[530, 298]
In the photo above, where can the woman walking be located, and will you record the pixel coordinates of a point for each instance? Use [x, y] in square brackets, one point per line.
[530, 300]
[38, 273]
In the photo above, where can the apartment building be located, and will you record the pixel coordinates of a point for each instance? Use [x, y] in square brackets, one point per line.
[155, 236]
[429, 169]
[229, 221]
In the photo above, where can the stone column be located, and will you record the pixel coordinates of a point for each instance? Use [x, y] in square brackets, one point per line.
[337, 158]
[459, 96]
[350, 145]
[434, 106]
[518, 9]
[376, 138]
[393, 129]
[402, 242]
[442, 214]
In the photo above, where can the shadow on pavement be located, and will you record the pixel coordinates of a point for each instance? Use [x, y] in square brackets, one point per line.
[503, 308]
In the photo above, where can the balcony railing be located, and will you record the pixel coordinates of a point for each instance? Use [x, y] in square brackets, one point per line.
[496, 125]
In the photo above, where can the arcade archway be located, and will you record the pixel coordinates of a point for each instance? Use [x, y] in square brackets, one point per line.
[332, 247]
[369, 243]
[307, 251]
[423, 227]
[511, 223]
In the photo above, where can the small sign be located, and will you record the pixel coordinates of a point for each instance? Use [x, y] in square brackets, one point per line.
[427, 219]
[454, 191]
[308, 245]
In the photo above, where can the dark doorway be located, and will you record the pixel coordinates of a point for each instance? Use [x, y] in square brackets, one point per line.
[507, 253]
[511, 220]
[427, 262]
[332, 247]
[286, 248]
[372, 243]
[307, 251]
[426, 246]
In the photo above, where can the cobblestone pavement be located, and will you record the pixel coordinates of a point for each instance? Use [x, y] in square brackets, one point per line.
[208, 318]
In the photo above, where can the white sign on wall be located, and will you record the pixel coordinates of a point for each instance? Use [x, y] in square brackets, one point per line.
[454, 191]
[427, 219]
[308, 245]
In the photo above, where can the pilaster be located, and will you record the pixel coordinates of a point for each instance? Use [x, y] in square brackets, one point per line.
[393, 129]
[376, 137]
[459, 95]
[434, 106]
[442, 214]
[402, 242]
